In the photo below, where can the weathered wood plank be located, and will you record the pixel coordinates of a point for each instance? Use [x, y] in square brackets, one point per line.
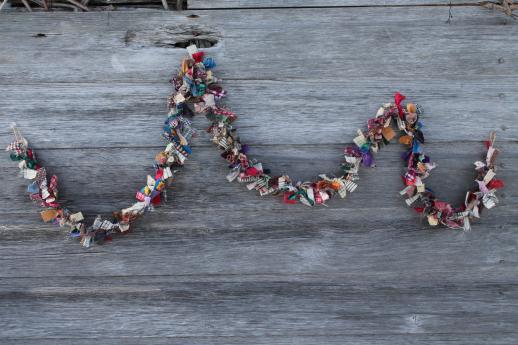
[173, 4]
[395, 251]
[255, 4]
[454, 110]
[499, 338]
[409, 42]
[231, 309]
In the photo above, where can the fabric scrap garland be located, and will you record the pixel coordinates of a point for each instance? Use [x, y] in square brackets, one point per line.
[198, 91]
[196, 85]
[177, 131]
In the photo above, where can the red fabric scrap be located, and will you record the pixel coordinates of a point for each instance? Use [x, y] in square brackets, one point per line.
[159, 173]
[156, 200]
[289, 201]
[198, 57]
[398, 98]
[495, 184]
[252, 171]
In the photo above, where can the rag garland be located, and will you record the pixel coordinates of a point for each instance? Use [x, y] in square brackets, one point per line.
[198, 91]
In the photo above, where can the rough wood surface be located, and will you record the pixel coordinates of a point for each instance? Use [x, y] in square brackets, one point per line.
[219, 264]
[228, 4]
[92, 3]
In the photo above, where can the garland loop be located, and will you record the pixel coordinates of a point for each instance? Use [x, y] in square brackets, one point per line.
[198, 91]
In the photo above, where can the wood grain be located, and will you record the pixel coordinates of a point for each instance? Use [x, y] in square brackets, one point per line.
[218, 264]
[257, 4]
[339, 108]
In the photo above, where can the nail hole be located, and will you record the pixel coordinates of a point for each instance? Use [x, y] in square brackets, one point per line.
[193, 16]
[40, 35]
[501, 60]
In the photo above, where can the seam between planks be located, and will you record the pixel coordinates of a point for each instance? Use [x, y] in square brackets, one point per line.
[280, 336]
[339, 275]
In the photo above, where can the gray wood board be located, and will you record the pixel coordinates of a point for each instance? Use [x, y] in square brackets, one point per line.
[403, 44]
[126, 3]
[218, 264]
[255, 4]
[454, 110]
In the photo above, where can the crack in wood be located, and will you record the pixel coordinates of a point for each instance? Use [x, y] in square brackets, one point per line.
[173, 36]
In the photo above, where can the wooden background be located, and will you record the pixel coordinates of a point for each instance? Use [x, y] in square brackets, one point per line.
[219, 264]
